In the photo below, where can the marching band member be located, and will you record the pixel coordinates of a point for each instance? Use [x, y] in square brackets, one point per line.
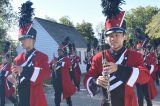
[31, 67]
[8, 86]
[76, 69]
[88, 58]
[61, 77]
[148, 90]
[126, 67]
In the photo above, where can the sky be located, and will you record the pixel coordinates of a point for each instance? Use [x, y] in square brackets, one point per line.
[78, 10]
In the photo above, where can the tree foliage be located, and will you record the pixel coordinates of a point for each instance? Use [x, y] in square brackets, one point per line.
[7, 18]
[140, 17]
[153, 28]
[100, 26]
[7, 15]
[66, 21]
[86, 30]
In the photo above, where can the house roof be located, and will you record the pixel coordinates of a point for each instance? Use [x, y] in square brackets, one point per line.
[59, 32]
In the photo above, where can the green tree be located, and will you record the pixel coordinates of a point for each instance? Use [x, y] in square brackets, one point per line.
[140, 16]
[7, 18]
[7, 15]
[86, 30]
[100, 27]
[66, 21]
[153, 28]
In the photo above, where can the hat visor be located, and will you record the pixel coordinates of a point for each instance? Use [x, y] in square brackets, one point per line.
[60, 49]
[23, 37]
[140, 48]
[116, 30]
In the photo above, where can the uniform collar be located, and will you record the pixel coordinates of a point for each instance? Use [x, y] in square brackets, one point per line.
[60, 57]
[5, 63]
[28, 53]
[119, 52]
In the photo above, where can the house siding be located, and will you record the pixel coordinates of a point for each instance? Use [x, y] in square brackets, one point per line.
[82, 52]
[46, 44]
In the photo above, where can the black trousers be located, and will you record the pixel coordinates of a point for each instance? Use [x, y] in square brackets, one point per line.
[73, 78]
[158, 77]
[88, 67]
[58, 92]
[12, 99]
[117, 97]
[24, 93]
[142, 92]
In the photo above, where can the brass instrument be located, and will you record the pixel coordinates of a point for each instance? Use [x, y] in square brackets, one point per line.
[105, 73]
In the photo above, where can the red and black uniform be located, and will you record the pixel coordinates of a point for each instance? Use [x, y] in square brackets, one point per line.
[7, 88]
[88, 61]
[148, 90]
[62, 81]
[35, 71]
[131, 70]
[72, 71]
[76, 71]
[158, 72]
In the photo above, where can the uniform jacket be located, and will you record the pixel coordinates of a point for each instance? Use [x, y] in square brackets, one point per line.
[77, 70]
[40, 73]
[68, 87]
[134, 66]
[9, 89]
[151, 62]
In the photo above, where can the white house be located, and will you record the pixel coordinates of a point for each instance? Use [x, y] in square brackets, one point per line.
[51, 34]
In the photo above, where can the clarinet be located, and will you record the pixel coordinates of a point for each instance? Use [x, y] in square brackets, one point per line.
[105, 73]
[16, 87]
[16, 78]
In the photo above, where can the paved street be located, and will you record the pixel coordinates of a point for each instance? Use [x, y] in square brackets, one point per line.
[81, 98]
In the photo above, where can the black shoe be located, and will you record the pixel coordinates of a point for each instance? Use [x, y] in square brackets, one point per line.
[157, 82]
[15, 104]
[78, 88]
[69, 104]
